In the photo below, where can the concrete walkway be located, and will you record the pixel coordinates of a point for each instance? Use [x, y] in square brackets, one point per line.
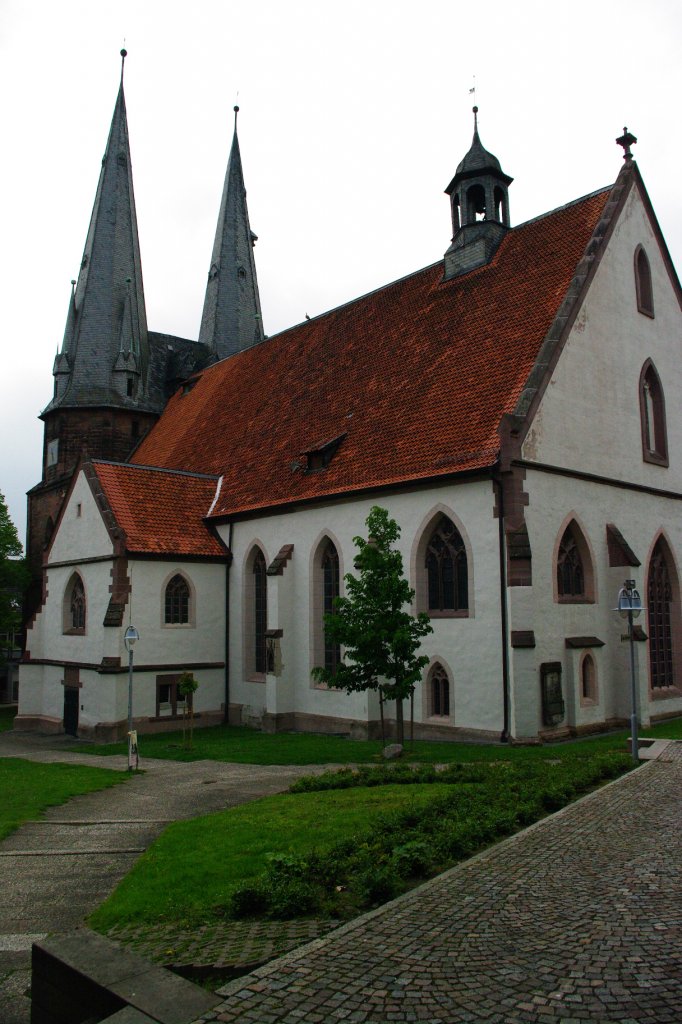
[578, 918]
[59, 869]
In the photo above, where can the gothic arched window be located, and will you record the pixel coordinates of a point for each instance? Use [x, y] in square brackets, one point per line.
[260, 611]
[659, 612]
[446, 567]
[569, 569]
[330, 591]
[438, 692]
[78, 604]
[652, 413]
[177, 600]
[643, 287]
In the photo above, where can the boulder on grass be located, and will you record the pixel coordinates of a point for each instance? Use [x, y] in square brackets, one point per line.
[392, 751]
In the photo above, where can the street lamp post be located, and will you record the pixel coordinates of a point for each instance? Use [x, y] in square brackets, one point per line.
[630, 607]
[130, 639]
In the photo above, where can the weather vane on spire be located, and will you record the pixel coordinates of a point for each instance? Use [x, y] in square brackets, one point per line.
[472, 90]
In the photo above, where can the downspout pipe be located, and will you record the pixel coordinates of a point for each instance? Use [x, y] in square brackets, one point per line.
[228, 566]
[504, 618]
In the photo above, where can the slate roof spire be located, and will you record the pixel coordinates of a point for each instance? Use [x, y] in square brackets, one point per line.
[104, 359]
[231, 319]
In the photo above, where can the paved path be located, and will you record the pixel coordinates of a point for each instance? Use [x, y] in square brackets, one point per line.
[579, 918]
[56, 871]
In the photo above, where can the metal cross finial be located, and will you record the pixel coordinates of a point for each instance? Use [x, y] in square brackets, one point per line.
[626, 140]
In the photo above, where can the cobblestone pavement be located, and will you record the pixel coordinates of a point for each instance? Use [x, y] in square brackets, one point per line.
[236, 946]
[57, 870]
[578, 918]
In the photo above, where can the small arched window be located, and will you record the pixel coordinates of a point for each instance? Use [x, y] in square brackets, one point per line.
[652, 414]
[260, 611]
[446, 568]
[438, 686]
[643, 287]
[574, 573]
[78, 604]
[177, 600]
[330, 591]
[588, 680]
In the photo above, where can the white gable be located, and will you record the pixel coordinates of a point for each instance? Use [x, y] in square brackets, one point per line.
[589, 417]
[81, 533]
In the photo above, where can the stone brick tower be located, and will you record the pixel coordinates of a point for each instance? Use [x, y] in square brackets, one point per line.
[479, 202]
[106, 395]
[112, 376]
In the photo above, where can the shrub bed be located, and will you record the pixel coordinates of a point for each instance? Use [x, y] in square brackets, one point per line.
[482, 803]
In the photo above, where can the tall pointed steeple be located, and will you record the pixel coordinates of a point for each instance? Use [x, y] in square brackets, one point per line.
[231, 320]
[104, 358]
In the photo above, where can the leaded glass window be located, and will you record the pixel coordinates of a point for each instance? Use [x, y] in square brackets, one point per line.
[177, 601]
[446, 566]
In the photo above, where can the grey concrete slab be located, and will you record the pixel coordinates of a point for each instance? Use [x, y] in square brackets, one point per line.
[58, 870]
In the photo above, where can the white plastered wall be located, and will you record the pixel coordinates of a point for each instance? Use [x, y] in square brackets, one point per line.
[589, 421]
[470, 647]
[103, 696]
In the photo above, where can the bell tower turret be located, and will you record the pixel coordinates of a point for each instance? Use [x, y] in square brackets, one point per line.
[479, 204]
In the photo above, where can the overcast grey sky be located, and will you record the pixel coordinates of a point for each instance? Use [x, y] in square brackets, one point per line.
[353, 118]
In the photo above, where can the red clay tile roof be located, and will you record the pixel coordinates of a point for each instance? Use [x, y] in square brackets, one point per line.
[160, 512]
[416, 376]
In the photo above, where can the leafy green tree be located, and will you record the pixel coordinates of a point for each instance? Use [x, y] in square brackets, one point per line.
[381, 638]
[14, 575]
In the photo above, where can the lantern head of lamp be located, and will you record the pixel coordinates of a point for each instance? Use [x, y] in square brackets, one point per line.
[130, 637]
[629, 601]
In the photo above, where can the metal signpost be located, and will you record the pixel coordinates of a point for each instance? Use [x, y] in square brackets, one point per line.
[130, 639]
[630, 607]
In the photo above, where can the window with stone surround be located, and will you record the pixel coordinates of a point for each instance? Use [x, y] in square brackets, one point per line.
[643, 286]
[588, 680]
[574, 570]
[74, 607]
[446, 569]
[177, 600]
[652, 414]
[437, 692]
[255, 611]
[663, 619]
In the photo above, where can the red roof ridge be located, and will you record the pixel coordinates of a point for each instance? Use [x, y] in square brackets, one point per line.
[155, 469]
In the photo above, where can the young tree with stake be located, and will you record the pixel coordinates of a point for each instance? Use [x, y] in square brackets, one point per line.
[381, 638]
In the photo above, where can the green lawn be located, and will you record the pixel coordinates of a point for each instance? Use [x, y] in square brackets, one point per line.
[28, 788]
[187, 874]
[355, 846]
[248, 746]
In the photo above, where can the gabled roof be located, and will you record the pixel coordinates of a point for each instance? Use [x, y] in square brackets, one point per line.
[416, 375]
[159, 512]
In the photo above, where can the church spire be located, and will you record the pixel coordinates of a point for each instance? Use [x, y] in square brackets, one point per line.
[105, 353]
[231, 320]
[479, 204]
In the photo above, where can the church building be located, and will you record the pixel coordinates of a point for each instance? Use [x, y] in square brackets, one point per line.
[516, 406]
